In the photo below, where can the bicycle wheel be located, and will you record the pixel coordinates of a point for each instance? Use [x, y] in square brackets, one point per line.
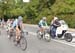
[10, 34]
[23, 43]
[47, 37]
[39, 35]
[13, 38]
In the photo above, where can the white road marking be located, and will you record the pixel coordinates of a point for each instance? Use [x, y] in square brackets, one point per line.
[59, 41]
[64, 42]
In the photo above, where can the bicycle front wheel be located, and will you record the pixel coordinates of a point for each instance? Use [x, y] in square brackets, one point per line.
[23, 43]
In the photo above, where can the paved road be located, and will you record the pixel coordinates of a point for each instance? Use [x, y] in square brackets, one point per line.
[34, 45]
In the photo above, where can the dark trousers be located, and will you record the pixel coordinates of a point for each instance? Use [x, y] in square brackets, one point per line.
[53, 31]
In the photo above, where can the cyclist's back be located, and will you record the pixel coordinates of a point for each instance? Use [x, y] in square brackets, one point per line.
[20, 22]
[15, 22]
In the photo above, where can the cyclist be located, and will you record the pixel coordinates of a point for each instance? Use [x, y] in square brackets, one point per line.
[18, 25]
[0, 21]
[9, 25]
[14, 24]
[54, 24]
[3, 22]
[42, 24]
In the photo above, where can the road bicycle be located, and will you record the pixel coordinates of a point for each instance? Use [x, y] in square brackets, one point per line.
[44, 35]
[22, 42]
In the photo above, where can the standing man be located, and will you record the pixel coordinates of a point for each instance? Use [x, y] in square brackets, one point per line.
[54, 24]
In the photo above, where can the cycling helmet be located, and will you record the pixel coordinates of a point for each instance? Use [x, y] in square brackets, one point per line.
[44, 18]
[20, 18]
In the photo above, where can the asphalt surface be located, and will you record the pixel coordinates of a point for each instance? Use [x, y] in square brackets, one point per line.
[34, 45]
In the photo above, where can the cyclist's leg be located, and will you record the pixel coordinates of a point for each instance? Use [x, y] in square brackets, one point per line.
[17, 33]
[10, 30]
[41, 29]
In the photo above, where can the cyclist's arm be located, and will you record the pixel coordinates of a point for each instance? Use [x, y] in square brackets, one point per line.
[22, 25]
[46, 24]
[56, 24]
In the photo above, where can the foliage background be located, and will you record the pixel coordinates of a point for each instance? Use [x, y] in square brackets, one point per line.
[33, 11]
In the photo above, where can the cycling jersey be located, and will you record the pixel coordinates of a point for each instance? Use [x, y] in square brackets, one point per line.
[15, 23]
[20, 22]
[42, 23]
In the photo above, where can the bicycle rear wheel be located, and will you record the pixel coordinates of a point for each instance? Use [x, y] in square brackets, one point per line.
[23, 43]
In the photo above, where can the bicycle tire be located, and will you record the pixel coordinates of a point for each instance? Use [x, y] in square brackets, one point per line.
[13, 38]
[23, 43]
[39, 36]
[47, 38]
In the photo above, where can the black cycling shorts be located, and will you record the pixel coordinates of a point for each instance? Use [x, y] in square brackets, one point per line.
[19, 27]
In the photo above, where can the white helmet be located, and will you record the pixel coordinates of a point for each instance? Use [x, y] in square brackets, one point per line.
[16, 19]
[44, 18]
[20, 18]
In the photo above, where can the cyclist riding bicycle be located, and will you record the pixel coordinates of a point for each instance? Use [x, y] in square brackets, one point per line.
[9, 25]
[42, 24]
[0, 22]
[18, 25]
[3, 22]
